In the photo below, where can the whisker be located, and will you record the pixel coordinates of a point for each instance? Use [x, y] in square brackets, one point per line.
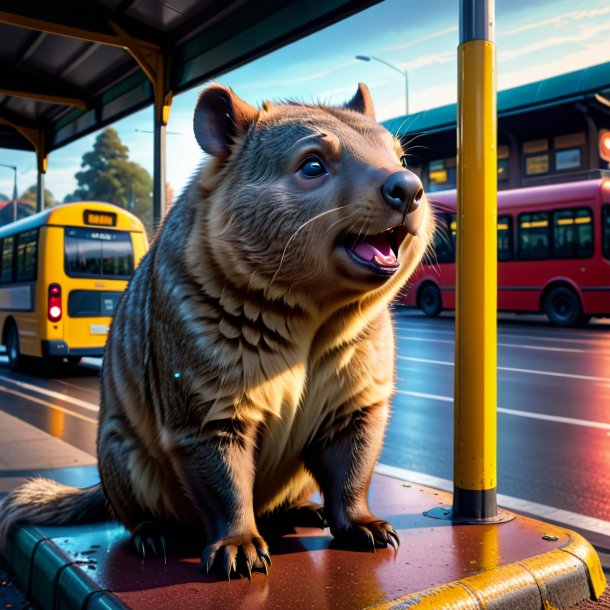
[316, 217]
[414, 147]
[352, 214]
[415, 137]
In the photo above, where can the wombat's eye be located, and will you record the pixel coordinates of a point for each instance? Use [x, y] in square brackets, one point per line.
[403, 161]
[313, 167]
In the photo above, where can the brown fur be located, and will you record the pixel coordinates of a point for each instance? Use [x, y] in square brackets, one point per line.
[250, 361]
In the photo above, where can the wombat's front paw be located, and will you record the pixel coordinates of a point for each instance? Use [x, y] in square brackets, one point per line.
[238, 555]
[368, 532]
[149, 535]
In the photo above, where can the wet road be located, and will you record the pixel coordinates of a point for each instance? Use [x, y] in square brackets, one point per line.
[553, 420]
[553, 410]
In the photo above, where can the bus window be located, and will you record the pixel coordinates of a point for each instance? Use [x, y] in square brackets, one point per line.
[98, 253]
[27, 248]
[443, 244]
[505, 238]
[606, 231]
[534, 236]
[573, 233]
[6, 271]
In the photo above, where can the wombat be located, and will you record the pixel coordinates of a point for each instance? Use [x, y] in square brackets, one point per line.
[250, 360]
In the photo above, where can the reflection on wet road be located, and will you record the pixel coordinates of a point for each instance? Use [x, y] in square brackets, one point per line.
[553, 409]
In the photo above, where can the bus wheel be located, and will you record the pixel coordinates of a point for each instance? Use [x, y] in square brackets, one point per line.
[562, 306]
[15, 359]
[429, 300]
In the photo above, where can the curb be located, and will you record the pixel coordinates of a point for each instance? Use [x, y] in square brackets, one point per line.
[560, 578]
[50, 577]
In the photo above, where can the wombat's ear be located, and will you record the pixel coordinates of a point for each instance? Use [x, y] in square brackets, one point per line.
[362, 102]
[220, 116]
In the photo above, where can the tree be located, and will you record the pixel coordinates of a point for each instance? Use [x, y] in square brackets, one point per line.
[108, 175]
[29, 196]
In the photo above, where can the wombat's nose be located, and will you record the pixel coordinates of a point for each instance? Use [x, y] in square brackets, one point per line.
[403, 191]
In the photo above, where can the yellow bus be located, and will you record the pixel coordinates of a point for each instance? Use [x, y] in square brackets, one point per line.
[62, 272]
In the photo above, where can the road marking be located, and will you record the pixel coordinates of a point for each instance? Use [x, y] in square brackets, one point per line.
[49, 405]
[51, 394]
[501, 333]
[585, 423]
[424, 395]
[515, 345]
[512, 369]
[576, 520]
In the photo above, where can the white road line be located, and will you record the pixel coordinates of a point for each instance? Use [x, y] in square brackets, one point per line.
[49, 405]
[428, 396]
[51, 394]
[501, 333]
[511, 369]
[556, 418]
[569, 518]
[515, 345]
[540, 416]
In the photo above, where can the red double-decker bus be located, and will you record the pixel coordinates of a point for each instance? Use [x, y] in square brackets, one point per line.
[553, 253]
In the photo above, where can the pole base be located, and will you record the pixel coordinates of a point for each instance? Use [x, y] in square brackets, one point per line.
[448, 514]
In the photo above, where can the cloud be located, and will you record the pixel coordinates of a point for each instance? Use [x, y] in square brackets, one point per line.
[413, 43]
[422, 61]
[257, 84]
[577, 60]
[559, 20]
[582, 35]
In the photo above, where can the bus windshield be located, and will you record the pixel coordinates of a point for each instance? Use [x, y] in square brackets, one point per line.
[98, 253]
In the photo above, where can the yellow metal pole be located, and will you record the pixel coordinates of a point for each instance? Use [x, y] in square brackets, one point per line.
[475, 447]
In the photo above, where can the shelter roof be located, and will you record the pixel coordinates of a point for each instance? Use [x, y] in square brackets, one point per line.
[565, 88]
[70, 67]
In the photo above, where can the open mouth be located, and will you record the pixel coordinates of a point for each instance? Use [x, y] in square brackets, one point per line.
[378, 252]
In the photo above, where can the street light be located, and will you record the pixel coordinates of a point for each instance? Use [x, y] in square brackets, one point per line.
[15, 195]
[393, 67]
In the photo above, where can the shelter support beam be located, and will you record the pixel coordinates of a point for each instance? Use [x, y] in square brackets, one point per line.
[37, 137]
[475, 472]
[155, 63]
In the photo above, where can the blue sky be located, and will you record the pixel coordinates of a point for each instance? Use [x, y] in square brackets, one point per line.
[535, 40]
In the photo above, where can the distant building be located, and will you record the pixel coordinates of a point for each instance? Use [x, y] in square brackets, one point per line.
[554, 130]
[6, 210]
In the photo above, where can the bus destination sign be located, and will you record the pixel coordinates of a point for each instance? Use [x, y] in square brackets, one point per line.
[100, 219]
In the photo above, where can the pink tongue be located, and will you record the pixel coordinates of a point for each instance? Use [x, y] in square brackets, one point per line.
[376, 248]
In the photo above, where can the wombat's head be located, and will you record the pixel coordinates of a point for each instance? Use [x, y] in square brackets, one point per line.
[308, 199]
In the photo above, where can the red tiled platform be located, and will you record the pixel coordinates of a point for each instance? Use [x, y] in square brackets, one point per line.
[307, 572]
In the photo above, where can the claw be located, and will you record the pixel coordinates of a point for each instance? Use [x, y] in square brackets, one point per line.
[322, 519]
[164, 548]
[209, 562]
[151, 542]
[142, 550]
[395, 539]
[264, 555]
[265, 564]
[371, 540]
[231, 567]
[249, 568]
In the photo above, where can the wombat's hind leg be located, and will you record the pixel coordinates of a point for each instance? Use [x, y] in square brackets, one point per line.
[237, 555]
[343, 464]
[284, 519]
[149, 537]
